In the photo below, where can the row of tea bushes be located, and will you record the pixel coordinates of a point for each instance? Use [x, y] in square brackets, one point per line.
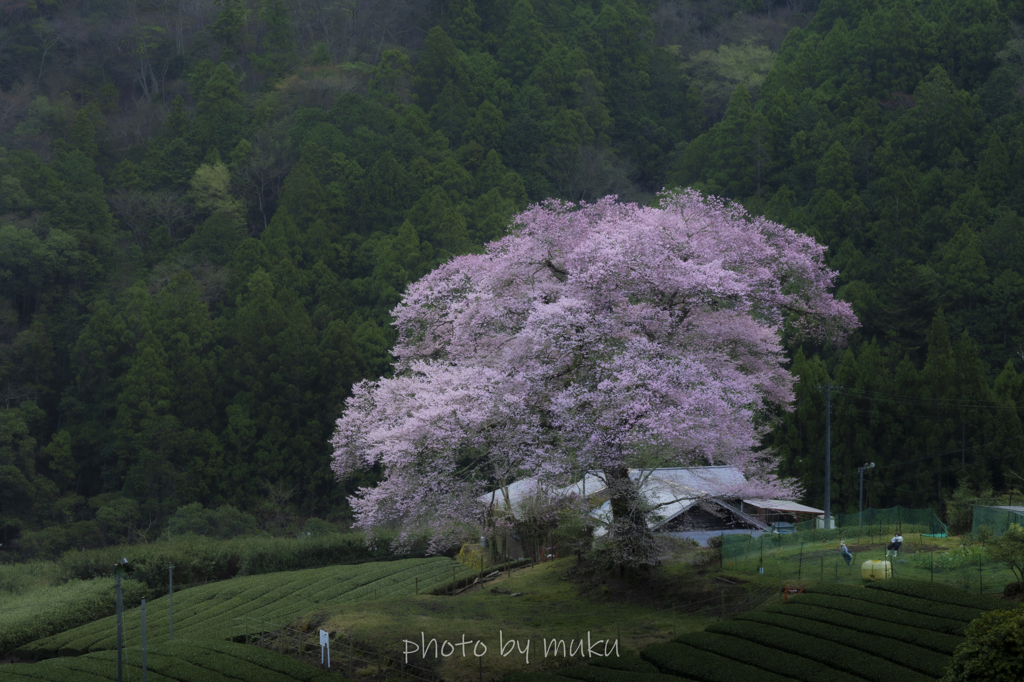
[682, 660]
[928, 607]
[220, 610]
[182, 660]
[938, 642]
[856, 608]
[891, 631]
[936, 592]
[839, 656]
[899, 652]
[765, 658]
[49, 610]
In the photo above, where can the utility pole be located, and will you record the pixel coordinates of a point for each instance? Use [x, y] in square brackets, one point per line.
[828, 452]
[828, 455]
[861, 470]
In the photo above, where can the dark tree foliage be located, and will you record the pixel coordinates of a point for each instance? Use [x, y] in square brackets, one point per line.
[207, 213]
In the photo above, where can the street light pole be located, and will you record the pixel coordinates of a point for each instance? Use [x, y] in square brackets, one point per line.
[860, 515]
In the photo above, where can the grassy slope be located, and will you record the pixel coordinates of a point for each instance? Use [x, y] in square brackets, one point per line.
[555, 605]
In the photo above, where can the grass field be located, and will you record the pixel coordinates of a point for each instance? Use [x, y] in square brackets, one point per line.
[890, 631]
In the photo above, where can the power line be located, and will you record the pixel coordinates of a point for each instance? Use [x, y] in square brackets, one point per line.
[932, 403]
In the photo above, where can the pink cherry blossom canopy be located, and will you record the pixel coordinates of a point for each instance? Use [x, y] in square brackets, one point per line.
[603, 337]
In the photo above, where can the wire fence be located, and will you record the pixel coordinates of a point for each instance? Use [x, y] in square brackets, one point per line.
[802, 558]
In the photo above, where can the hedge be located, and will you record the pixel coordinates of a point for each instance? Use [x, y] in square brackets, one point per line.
[937, 592]
[590, 673]
[936, 641]
[200, 559]
[871, 610]
[900, 653]
[683, 660]
[898, 601]
[766, 658]
[838, 656]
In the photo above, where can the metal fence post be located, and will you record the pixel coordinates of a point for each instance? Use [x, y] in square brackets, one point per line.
[145, 675]
[119, 626]
[170, 599]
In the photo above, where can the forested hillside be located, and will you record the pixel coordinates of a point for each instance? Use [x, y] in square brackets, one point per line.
[208, 209]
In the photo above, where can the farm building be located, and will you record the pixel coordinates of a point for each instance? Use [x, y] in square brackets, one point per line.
[693, 502]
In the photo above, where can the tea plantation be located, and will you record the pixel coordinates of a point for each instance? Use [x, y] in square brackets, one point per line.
[890, 631]
[191, 660]
[219, 610]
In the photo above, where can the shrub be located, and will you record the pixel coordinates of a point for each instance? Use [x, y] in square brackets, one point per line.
[766, 658]
[48, 543]
[685, 661]
[993, 650]
[318, 528]
[225, 522]
[1009, 550]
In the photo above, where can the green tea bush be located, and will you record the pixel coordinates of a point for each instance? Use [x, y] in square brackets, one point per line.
[48, 610]
[881, 612]
[626, 660]
[207, 660]
[900, 653]
[766, 658]
[898, 601]
[839, 656]
[936, 641]
[937, 592]
[218, 608]
[590, 673]
[685, 661]
[82, 667]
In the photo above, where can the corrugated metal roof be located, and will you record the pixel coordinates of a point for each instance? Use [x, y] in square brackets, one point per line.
[1018, 510]
[783, 505]
[677, 488]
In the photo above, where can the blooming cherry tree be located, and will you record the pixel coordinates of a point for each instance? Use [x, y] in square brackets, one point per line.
[599, 337]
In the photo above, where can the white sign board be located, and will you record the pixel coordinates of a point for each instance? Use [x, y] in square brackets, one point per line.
[325, 644]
